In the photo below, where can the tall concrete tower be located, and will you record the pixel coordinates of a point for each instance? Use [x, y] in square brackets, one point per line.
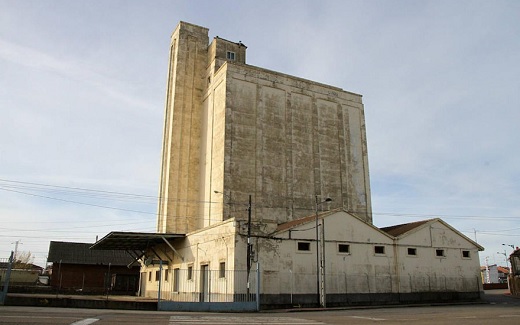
[180, 171]
[233, 130]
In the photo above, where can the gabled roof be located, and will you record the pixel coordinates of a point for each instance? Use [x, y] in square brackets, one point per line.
[398, 230]
[406, 229]
[294, 223]
[80, 253]
[298, 222]
[502, 269]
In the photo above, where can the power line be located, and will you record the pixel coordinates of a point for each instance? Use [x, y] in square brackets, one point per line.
[107, 195]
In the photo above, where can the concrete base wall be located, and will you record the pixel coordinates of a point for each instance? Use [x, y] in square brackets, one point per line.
[79, 303]
[365, 299]
[208, 306]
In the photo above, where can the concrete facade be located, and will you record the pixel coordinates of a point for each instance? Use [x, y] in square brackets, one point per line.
[243, 130]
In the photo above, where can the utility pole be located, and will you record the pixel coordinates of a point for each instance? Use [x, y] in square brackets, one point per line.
[323, 289]
[249, 244]
[505, 255]
[320, 257]
[16, 243]
[249, 254]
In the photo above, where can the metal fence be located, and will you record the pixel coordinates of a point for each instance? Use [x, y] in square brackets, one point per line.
[341, 283]
[204, 285]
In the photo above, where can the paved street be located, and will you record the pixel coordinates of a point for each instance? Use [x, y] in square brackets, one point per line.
[501, 309]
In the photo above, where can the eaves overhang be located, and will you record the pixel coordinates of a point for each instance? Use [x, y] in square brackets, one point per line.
[133, 241]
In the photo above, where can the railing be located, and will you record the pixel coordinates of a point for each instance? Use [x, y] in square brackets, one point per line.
[188, 285]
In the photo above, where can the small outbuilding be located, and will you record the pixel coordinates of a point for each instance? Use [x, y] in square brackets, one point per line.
[77, 268]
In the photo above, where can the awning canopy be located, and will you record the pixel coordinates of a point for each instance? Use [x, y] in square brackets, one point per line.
[133, 241]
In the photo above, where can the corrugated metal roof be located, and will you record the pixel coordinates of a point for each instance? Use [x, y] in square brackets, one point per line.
[132, 241]
[80, 253]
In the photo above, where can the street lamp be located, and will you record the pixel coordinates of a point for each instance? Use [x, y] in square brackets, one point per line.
[320, 263]
[505, 255]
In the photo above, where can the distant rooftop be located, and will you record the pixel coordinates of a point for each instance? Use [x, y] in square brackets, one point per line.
[398, 230]
[80, 253]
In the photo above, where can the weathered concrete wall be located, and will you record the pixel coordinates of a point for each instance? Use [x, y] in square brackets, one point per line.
[178, 210]
[362, 267]
[288, 139]
[362, 270]
[438, 271]
[210, 246]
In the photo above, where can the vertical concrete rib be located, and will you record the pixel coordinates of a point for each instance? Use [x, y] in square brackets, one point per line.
[178, 208]
[316, 158]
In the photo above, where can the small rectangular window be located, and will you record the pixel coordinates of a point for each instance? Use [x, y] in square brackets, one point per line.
[222, 270]
[379, 249]
[176, 280]
[439, 253]
[344, 248]
[304, 246]
[230, 55]
[190, 272]
[150, 276]
[412, 251]
[466, 254]
[157, 275]
[166, 274]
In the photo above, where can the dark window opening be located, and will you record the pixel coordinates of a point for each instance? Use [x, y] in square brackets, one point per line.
[222, 270]
[343, 248]
[412, 251]
[230, 55]
[190, 272]
[304, 246]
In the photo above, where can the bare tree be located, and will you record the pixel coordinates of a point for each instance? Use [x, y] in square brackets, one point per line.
[23, 260]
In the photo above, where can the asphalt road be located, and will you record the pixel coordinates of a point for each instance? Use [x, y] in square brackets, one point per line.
[500, 308]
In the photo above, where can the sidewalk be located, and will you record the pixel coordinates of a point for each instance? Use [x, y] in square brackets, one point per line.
[81, 301]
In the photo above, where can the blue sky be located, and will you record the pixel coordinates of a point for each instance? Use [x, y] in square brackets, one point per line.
[82, 89]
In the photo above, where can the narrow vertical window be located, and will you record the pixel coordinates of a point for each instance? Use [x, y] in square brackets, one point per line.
[222, 270]
[190, 272]
[176, 280]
